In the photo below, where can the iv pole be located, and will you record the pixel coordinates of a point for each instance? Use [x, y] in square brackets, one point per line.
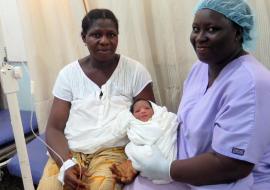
[9, 76]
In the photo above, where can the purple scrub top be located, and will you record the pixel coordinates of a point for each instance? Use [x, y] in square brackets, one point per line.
[231, 118]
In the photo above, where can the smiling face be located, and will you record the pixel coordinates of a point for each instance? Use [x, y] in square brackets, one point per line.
[214, 38]
[142, 110]
[102, 39]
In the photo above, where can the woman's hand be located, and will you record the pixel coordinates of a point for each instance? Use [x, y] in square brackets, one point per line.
[124, 172]
[73, 178]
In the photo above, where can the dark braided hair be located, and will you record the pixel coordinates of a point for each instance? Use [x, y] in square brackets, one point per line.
[95, 14]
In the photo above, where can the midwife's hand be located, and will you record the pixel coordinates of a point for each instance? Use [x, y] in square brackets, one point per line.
[73, 178]
[152, 165]
[124, 172]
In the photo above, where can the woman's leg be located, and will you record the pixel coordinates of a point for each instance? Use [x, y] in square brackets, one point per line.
[49, 178]
[100, 175]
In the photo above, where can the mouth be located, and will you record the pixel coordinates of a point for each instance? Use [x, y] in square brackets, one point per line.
[104, 51]
[200, 49]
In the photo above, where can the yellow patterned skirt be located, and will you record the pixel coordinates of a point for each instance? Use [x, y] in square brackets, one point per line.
[98, 170]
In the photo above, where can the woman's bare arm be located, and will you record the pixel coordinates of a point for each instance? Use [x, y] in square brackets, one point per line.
[209, 168]
[55, 130]
[147, 93]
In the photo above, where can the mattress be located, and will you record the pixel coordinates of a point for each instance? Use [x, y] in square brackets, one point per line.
[7, 142]
[37, 158]
[6, 133]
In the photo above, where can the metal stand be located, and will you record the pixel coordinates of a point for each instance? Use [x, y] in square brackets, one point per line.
[9, 76]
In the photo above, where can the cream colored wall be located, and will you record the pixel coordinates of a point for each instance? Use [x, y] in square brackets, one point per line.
[155, 32]
[11, 31]
[12, 47]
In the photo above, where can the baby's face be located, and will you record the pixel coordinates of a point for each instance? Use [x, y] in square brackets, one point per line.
[142, 110]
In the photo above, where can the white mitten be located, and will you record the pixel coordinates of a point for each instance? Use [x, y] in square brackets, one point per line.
[152, 165]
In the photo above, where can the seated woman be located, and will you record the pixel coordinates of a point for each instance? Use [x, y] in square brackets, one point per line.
[88, 94]
[224, 111]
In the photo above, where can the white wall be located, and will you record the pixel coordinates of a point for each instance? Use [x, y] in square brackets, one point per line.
[11, 37]
[12, 30]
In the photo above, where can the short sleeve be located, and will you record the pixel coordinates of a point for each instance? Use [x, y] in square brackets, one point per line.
[235, 123]
[141, 80]
[62, 86]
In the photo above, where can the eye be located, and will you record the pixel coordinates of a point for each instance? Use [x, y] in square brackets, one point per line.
[95, 35]
[195, 29]
[212, 29]
[112, 35]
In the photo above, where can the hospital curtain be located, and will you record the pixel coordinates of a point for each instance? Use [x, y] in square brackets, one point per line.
[262, 13]
[154, 32]
[52, 39]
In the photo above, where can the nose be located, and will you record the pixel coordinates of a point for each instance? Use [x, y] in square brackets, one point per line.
[201, 37]
[104, 39]
[143, 110]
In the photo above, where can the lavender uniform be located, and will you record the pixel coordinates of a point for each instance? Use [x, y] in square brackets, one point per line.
[231, 118]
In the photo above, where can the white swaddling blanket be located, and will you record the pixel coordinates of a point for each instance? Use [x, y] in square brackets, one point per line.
[160, 130]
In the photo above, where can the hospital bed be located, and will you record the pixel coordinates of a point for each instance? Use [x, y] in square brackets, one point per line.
[19, 130]
[7, 143]
[37, 157]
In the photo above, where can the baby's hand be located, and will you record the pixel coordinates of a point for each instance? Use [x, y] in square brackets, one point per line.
[124, 172]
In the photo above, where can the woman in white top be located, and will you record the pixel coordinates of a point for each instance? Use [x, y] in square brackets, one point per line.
[88, 94]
